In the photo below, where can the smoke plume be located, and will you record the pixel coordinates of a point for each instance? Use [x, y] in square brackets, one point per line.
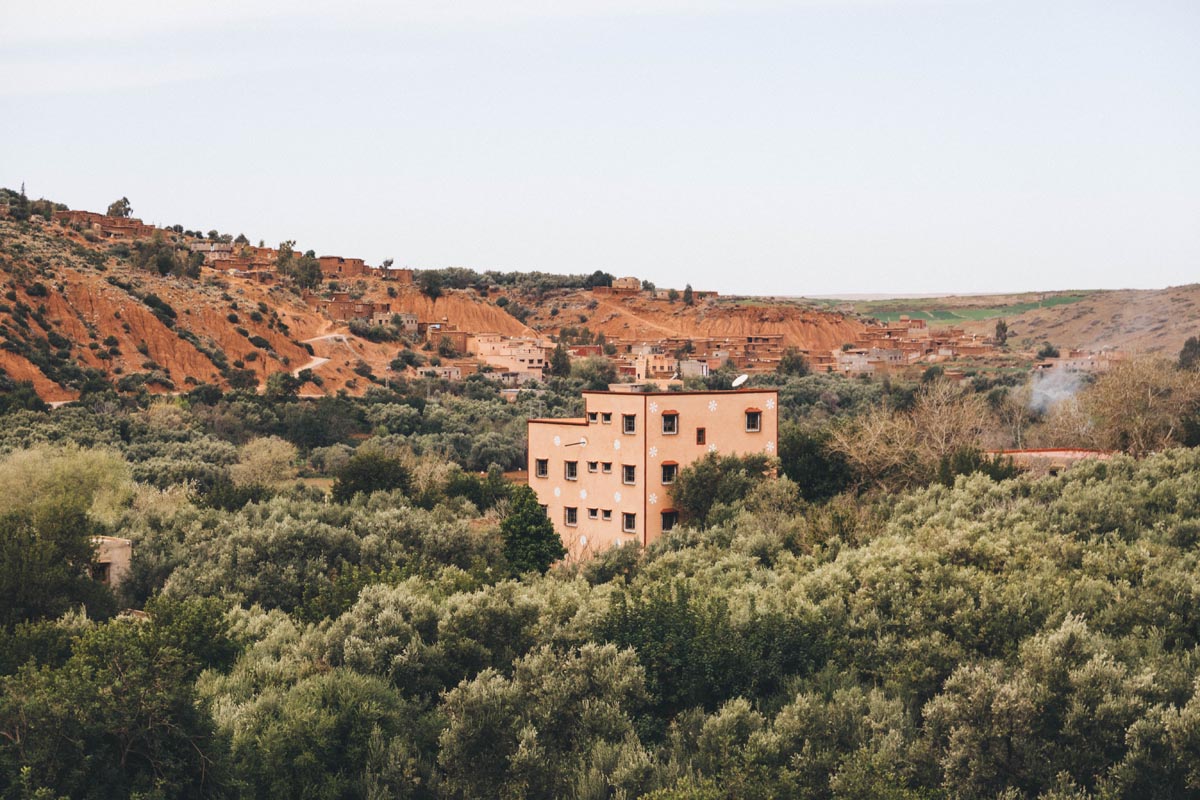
[1051, 387]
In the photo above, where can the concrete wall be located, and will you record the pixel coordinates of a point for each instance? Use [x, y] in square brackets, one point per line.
[722, 415]
[113, 556]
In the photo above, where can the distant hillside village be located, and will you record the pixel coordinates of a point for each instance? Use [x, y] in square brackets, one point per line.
[905, 346]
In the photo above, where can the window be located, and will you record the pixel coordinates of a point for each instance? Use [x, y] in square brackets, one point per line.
[593, 513]
[606, 417]
[606, 515]
[629, 423]
[670, 422]
[669, 520]
[753, 420]
[571, 470]
[571, 515]
[628, 473]
[593, 466]
[670, 471]
[606, 467]
[629, 522]
[592, 415]
[541, 468]
[701, 436]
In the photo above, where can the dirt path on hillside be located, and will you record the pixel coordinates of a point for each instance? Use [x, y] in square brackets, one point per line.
[313, 364]
[622, 311]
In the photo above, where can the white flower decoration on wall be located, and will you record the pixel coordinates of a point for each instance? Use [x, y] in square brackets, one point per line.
[558, 491]
[771, 403]
[654, 452]
[616, 444]
[653, 407]
[712, 405]
[770, 447]
[712, 448]
[653, 499]
[557, 441]
[583, 492]
[616, 497]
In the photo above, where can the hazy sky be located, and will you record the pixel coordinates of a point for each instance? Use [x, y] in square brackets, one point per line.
[744, 145]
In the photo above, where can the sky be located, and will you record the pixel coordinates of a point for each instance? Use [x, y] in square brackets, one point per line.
[744, 146]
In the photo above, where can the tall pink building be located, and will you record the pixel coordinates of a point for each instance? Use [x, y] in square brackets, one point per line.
[605, 479]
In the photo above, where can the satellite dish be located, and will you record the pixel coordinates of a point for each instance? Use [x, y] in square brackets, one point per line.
[739, 380]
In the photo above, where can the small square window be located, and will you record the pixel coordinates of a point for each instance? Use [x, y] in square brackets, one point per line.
[669, 520]
[753, 421]
[606, 417]
[571, 470]
[606, 515]
[629, 423]
[701, 436]
[593, 466]
[592, 417]
[670, 424]
[541, 468]
[571, 515]
[629, 522]
[628, 473]
[606, 467]
[593, 513]
[669, 472]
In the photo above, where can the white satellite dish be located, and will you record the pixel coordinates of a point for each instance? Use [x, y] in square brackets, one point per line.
[739, 380]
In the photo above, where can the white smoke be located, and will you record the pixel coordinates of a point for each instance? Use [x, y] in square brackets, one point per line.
[1050, 387]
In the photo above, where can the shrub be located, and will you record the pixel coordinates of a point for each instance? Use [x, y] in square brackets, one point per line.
[370, 472]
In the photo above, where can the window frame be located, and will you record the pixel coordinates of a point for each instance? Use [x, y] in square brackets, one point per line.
[541, 468]
[568, 513]
[674, 514]
[570, 470]
[593, 417]
[674, 467]
[674, 416]
[757, 415]
[629, 474]
[701, 436]
[628, 522]
[606, 514]
[606, 418]
[593, 466]
[593, 513]
[606, 467]
[629, 424]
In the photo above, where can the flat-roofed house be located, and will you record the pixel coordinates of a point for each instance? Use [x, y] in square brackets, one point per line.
[605, 478]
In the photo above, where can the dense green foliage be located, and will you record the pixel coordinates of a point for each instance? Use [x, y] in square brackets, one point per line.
[962, 631]
[530, 542]
[369, 472]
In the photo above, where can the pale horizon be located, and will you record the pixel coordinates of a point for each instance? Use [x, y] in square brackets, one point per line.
[814, 148]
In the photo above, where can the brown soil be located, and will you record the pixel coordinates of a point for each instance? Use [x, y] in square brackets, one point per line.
[83, 306]
[1154, 321]
[640, 318]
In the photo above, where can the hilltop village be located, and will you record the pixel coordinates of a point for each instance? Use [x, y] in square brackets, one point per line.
[338, 323]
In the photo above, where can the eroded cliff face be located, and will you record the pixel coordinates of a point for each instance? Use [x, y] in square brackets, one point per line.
[465, 310]
[641, 318]
[73, 304]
